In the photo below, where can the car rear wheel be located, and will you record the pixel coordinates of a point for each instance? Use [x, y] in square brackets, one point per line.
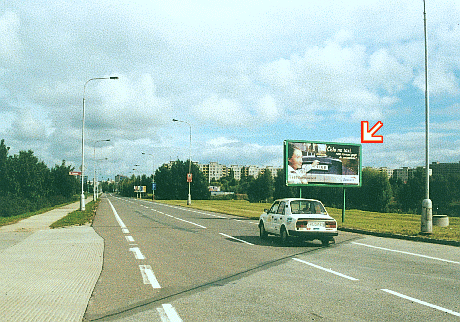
[325, 242]
[262, 231]
[283, 236]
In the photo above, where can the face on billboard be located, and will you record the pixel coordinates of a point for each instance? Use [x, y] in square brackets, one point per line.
[320, 163]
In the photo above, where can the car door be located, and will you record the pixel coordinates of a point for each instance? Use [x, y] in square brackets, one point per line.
[270, 217]
[278, 217]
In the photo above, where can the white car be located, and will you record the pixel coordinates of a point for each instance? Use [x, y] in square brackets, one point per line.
[303, 218]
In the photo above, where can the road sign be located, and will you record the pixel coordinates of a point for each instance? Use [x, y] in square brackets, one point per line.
[154, 186]
[74, 173]
[368, 136]
[189, 177]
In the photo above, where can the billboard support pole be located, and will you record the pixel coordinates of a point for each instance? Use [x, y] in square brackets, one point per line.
[343, 209]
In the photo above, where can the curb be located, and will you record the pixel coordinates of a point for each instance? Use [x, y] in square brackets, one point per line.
[404, 237]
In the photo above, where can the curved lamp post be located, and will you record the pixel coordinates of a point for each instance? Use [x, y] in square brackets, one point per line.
[153, 173]
[189, 179]
[95, 195]
[82, 198]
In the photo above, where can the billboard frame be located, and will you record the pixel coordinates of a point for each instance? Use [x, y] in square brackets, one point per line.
[338, 145]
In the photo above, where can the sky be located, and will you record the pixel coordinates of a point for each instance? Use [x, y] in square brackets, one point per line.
[242, 75]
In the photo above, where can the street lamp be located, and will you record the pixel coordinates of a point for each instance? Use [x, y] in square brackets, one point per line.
[135, 180]
[82, 198]
[94, 177]
[427, 206]
[153, 173]
[189, 175]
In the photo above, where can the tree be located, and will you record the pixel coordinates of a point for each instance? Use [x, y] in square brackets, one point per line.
[172, 182]
[374, 194]
[413, 192]
[31, 177]
[280, 188]
[63, 184]
[261, 189]
[4, 190]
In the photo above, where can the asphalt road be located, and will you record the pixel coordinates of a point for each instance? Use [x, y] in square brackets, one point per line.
[164, 263]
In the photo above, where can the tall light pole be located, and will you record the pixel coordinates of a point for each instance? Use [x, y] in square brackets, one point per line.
[135, 180]
[82, 198]
[94, 177]
[153, 173]
[427, 207]
[189, 175]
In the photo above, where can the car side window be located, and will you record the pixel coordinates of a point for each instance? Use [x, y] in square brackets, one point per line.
[281, 208]
[274, 208]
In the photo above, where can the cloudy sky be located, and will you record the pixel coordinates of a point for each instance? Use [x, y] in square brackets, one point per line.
[245, 75]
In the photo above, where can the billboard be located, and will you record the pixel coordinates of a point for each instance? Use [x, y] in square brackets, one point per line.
[322, 163]
[140, 188]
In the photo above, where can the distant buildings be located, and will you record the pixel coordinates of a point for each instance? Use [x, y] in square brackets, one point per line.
[445, 169]
[436, 169]
[215, 171]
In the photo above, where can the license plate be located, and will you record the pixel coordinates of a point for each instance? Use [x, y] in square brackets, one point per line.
[316, 224]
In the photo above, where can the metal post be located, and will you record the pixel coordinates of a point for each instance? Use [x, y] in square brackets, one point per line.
[343, 209]
[189, 197]
[153, 173]
[82, 196]
[427, 216]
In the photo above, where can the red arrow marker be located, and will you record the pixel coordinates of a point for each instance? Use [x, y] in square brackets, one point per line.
[368, 136]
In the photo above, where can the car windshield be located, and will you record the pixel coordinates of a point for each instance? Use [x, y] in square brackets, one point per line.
[307, 207]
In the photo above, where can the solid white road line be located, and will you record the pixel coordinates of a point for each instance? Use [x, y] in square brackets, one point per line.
[120, 222]
[327, 270]
[240, 240]
[189, 222]
[407, 253]
[137, 252]
[148, 276]
[168, 313]
[421, 302]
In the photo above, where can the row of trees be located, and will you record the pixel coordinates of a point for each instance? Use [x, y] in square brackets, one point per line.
[27, 184]
[377, 193]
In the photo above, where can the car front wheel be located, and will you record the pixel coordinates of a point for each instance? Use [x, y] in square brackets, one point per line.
[262, 231]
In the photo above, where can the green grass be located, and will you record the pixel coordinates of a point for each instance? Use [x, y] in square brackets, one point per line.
[77, 217]
[386, 223]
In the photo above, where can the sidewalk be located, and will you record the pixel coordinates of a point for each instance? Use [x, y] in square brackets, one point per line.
[48, 274]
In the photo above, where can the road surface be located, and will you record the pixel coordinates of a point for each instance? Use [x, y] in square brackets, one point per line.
[167, 263]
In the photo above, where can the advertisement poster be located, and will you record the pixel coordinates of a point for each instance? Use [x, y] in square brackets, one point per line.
[322, 163]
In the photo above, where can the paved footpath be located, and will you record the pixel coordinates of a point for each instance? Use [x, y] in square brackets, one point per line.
[48, 274]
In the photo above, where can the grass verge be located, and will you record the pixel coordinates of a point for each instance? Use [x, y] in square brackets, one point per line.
[14, 219]
[78, 217]
[383, 223]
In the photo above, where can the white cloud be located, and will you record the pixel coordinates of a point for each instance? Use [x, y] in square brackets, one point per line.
[338, 77]
[10, 44]
[267, 109]
[29, 127]
[130, 107]
[217, 111]
[245, 74]
[220, 141]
